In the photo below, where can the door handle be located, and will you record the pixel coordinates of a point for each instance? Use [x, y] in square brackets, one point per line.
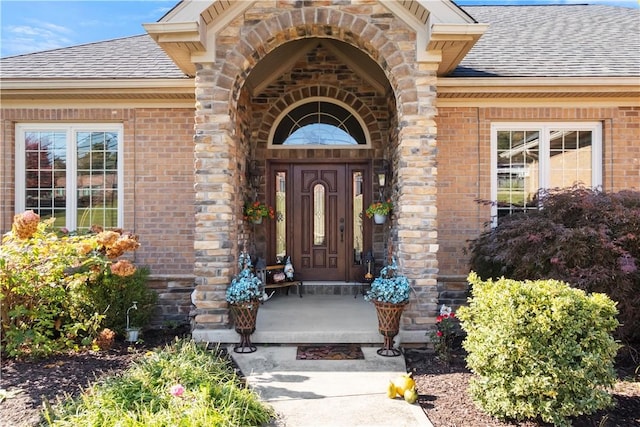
[341, 229]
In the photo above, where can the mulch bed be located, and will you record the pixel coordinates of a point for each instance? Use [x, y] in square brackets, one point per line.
[442, 390]
[329, 352]
[443, 395]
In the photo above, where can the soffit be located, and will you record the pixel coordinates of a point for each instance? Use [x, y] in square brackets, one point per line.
[187, 32]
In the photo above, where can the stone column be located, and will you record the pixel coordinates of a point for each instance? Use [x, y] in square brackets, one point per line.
[216, 184]
[416, 227]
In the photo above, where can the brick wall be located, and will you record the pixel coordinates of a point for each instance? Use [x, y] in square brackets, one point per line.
[464, 165]
[158, 177]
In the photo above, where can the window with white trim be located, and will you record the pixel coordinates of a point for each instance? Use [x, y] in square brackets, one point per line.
[527, 157]
[72, 172]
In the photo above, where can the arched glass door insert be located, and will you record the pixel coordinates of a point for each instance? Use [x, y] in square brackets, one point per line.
[319, 122]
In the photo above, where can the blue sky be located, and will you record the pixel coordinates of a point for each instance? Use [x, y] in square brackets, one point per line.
[32, 26]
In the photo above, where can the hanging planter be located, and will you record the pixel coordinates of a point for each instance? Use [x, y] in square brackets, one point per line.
[379, 218]
[132, 334]
[379, 211]
[256, 211]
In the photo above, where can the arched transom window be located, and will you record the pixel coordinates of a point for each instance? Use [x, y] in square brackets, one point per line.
[319, 122]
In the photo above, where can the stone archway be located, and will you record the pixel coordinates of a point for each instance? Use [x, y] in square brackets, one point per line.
[221, 145]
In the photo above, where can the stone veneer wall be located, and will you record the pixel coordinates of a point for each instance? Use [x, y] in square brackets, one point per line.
[174, 306]
[370, 27]
[319, 74]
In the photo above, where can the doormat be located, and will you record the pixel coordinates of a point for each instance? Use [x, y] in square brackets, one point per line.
[329, 352]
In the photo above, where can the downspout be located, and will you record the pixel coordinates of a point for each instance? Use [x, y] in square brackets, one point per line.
[611, 186]
[478, 147]
[135, 178]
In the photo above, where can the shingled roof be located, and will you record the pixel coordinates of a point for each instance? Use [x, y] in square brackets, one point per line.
[522, 41]
[136, 57]
[554, 41]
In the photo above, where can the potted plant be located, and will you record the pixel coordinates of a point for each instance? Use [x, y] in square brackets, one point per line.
[256, 211]
[243, 296]
[379, 211]
[390, 294]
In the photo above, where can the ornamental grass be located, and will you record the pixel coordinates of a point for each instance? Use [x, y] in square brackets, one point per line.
[183, 384]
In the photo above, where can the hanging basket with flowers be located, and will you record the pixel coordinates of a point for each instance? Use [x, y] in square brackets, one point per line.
[379, 211]
[256, 211]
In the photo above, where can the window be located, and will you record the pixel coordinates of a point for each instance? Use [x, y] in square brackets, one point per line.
[71, 172]
[527, 157]
[318, 122]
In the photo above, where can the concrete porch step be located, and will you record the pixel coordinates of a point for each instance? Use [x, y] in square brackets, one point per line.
[289, 319]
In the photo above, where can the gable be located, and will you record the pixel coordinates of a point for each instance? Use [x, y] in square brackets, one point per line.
[444, 32]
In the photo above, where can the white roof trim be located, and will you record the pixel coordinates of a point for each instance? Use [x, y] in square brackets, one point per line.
[187, 39]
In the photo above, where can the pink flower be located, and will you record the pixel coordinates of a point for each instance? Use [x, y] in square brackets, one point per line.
[452, 314]
[176, 390]
[439, 333]
[439, 319]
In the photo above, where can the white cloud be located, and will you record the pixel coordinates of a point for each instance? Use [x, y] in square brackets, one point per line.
[36, 36]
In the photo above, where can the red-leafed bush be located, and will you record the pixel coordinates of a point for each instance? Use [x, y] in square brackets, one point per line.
[589, 239]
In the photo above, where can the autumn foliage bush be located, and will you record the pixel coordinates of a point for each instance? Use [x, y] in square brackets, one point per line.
[586, 238]
[46, 280]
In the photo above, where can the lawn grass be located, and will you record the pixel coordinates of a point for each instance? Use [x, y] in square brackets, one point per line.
[149, 394]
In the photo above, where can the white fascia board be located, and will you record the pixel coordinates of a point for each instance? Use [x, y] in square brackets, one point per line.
[404, 15]
[209, 55]
[44, 84]
[179, 32]
[422, 33]
[475, 30]
[445, 11]
[537, 84]
[171, 27]
[187, 10]
[236, 8]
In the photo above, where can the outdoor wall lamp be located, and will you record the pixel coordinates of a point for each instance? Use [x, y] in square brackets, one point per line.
[253, 174]
[383, 173]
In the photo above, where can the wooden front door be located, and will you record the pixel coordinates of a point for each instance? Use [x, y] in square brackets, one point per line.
[325, 231]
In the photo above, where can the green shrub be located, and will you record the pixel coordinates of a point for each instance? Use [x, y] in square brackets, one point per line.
[586, 238]
[113, 295]
[181, 385]
[44, 285]
[539, 349]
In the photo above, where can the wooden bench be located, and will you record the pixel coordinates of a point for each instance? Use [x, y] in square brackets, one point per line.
[267, 278]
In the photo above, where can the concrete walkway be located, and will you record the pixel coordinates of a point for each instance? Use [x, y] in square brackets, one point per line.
[329, 393]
